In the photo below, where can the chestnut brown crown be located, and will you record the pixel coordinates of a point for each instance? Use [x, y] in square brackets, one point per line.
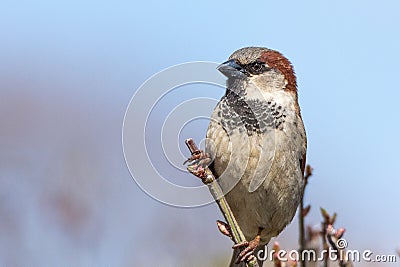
[257, 60]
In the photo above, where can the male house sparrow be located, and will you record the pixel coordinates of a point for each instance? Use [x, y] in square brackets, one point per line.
[257, 141]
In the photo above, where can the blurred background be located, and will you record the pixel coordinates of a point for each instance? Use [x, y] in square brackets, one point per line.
[68, 70]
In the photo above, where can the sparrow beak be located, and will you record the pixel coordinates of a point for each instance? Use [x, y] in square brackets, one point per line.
[231, 69]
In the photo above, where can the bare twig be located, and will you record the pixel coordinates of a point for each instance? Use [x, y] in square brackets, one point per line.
[331, 236]
[302, 214]
[324, 225]
[217, 193]
[278, 262]
[339, 245]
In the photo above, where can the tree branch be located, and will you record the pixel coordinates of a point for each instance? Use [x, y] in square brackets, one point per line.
[217, 193]
[302, 214]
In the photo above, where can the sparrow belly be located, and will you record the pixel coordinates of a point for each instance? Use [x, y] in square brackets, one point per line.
[260, 174]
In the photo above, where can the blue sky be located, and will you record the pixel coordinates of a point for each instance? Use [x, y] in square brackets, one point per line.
[69, 68]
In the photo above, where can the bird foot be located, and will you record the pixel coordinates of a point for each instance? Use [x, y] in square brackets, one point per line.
[247, 254]
[198, 163]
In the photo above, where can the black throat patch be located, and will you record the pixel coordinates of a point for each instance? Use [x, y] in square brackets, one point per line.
[253, 115]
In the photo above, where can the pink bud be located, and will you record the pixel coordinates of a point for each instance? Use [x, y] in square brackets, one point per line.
[224, 228]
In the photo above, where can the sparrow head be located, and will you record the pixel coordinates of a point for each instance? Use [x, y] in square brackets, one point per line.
[261, 67]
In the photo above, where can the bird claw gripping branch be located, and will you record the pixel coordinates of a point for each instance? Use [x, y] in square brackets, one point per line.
[198, 164]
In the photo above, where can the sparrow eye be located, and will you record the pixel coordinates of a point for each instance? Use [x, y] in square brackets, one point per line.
[257, 67]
